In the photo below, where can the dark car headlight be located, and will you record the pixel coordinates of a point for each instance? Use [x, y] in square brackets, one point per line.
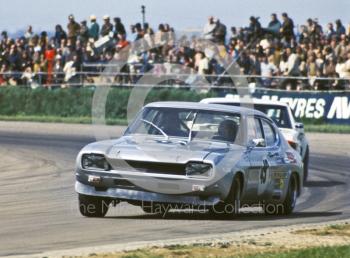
[198, 169]
[95, 161]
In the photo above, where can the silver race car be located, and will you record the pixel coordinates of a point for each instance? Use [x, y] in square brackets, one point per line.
[181, 155]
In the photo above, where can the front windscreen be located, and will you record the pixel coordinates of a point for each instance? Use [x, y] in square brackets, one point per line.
[189, 123]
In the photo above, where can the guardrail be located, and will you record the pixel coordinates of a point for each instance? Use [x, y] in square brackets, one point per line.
[185, 80]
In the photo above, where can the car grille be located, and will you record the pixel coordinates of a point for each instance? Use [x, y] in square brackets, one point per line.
[150, 167]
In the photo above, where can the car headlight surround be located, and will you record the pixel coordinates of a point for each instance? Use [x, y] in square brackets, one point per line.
[95, 162]
[198, 169]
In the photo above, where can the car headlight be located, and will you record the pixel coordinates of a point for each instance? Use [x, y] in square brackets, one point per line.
[95, 161]
[198, 169]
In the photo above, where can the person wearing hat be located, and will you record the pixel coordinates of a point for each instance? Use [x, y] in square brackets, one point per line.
[107, 27]
[94, 29]
[73, 28]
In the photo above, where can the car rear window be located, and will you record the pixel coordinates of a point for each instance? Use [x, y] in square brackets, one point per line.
[279, 114]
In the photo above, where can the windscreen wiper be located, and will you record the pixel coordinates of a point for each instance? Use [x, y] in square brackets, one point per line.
[160, 130]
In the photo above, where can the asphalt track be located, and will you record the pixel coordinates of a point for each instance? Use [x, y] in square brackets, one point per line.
[38, 205]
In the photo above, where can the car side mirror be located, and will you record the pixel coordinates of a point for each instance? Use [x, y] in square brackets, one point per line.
[299, 127]
[258, 142]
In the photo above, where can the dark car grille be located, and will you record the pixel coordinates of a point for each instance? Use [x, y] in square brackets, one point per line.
[150, 167]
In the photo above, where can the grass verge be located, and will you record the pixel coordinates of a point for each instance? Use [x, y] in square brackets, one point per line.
[332, 230]
[327, 128]
[227, 252]
[322, 128]
[326, 241]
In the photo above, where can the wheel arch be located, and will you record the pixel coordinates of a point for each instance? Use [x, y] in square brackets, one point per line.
[240, 176]
[297, 176]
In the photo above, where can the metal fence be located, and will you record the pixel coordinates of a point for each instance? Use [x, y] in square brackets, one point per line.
[97, 74]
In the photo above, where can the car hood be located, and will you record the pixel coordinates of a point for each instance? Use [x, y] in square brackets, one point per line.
[158, 150]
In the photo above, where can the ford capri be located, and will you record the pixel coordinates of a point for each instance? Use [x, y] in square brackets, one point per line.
[184, 155]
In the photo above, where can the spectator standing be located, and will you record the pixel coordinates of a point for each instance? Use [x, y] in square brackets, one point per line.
[119, 28]
[330, 32]
[254, 29]
[148, 37]
[84, 32]
[303, 34]
[160, 39]
[220, 32]
[29, 33]
[107, 27]
[50, 59]
[94, 30]
[60, 34]
[234, 34]
[4, 36]
[139, 33]
[287, 29]
[274, 25]
[314, 30]
[208, 31]
[339, 28]
[73, 29]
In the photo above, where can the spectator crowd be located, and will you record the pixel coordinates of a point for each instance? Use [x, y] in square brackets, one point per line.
[278, 55]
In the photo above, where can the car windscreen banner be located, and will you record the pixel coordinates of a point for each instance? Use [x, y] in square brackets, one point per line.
[330, 107]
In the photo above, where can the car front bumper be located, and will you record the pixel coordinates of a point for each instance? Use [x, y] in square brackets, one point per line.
[145, 188]
[143, 196]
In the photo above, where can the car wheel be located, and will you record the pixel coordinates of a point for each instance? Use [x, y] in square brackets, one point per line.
[288, 205]
[92, 206]
[229, 207]
[306, 164]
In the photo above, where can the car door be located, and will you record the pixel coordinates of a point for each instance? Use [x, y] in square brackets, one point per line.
[272, 159]
[256, 157]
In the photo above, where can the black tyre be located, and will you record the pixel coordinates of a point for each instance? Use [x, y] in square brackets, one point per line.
[229, 207]
[288, 205]
[306, 165]
[92, 206]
